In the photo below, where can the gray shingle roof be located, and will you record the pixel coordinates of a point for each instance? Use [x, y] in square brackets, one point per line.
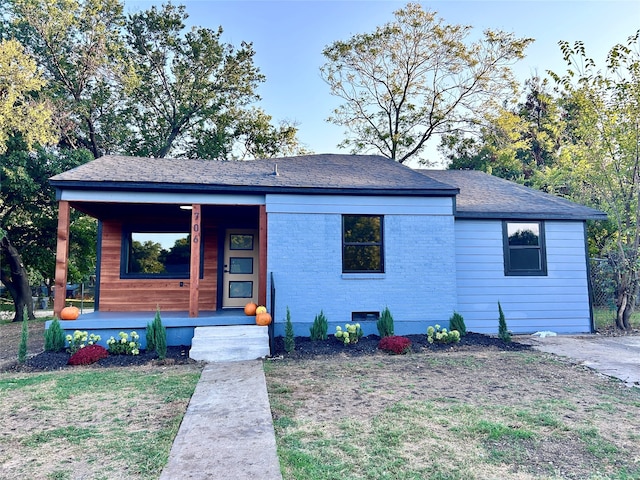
[326, 173]
[485, 196]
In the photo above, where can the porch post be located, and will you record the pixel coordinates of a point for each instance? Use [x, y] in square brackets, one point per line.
[62, 257]
[262, 256]
[194, 270]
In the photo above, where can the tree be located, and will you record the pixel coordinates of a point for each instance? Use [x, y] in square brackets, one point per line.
[192, 92]
[520, 144]
[414, 78]
[603, 161]
[21, 111]
[28, 212]
[77, 44]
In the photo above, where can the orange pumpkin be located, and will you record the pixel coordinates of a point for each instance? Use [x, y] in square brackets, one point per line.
[69, 313]
[250, 309]
[261, 309]
[263, 319]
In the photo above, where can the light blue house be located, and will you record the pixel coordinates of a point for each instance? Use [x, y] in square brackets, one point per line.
[345, 234]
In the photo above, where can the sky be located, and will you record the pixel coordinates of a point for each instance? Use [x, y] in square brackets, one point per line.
[289, 36]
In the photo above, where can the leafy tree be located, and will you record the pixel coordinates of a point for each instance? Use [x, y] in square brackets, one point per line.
[603, 161]
[520, 144]
[28, 220]
[192, 92]
[20, 111]
[414, 78]
[77, 44]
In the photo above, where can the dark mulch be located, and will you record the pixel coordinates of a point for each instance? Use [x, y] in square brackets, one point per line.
[305, 348]
[48, 361]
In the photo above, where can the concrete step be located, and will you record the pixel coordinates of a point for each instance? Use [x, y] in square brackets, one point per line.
[231, 343]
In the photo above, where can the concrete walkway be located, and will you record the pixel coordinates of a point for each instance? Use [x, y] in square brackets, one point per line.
[617, 357]
[227, 431]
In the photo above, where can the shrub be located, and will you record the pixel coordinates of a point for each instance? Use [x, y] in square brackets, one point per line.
[289, 338]
[385, 323]
[395, 344]
[156, 336]
[438, 334]
[54, 337]
[503, 331]
[24, 338]
[456, 322]
[351, 333]
[87, 355]
[124, 345]
[319, 327]
[80, 340]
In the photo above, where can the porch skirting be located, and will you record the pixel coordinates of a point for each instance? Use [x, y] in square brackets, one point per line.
[179, 325]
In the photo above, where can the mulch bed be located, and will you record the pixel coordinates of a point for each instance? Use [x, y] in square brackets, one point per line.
[305, 349]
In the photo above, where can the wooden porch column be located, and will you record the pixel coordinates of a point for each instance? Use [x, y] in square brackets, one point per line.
[262, 256]
[194, 270]
[62, 257]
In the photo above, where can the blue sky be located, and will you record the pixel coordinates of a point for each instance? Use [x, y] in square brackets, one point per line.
[289, 36]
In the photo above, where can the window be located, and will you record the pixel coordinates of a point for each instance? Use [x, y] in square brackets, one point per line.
[524, 249]
[156, 254]
[362, 245]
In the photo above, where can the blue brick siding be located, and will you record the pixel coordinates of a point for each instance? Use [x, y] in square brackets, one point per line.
[418, 286]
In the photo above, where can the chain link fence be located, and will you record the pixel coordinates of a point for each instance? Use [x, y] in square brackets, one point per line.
[603, 284]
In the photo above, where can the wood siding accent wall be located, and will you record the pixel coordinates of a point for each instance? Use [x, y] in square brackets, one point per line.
[130, 295]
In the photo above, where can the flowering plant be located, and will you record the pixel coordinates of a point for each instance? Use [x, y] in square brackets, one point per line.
[441, 335]
[395, 344]
[80, 340]
[351, 333]
[88, 355]
[126, 344]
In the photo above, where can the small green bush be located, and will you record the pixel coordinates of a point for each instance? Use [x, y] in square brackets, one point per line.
[289, 337]
[54, 337]
[503, 331]
[156, 336]
[319, 327]
[456, 322]
[438, 334]
[385, 323]
[24, 338]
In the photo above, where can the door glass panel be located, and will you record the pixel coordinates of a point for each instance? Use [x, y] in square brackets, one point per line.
[241, 265]
[240, 289]
[241, 242]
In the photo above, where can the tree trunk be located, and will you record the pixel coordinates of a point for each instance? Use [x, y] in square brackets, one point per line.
[17, 282]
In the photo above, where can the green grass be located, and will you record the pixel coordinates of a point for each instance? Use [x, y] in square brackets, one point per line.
[605, 317]
[100, 420]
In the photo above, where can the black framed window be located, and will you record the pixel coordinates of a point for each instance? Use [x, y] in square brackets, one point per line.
[524, 248]
[156, 253]
[362, 244]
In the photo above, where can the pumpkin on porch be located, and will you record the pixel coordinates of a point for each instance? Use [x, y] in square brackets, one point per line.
[250, 309]
[261, 309]
[263, 319]
[69, 313]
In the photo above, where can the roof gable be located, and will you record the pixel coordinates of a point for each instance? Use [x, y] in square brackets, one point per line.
[485, 196]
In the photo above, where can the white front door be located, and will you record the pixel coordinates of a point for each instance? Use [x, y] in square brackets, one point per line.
[240, 273]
